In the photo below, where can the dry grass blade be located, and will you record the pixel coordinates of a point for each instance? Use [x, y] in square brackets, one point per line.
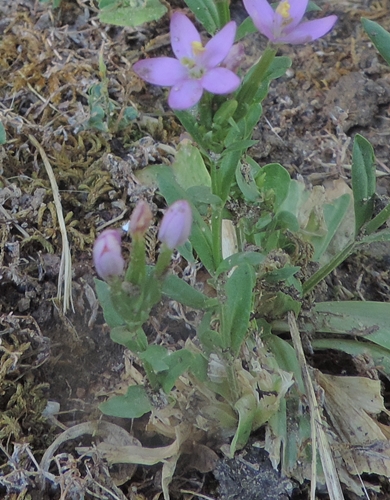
[64, 289]
[318, 434]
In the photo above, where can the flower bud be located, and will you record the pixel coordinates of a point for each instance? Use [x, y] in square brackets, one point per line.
[140, 219]
[235, 57]
[176, 224]
[107, 254]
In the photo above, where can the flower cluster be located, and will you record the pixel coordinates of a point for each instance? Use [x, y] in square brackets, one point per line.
[174, 231]
[212, 67]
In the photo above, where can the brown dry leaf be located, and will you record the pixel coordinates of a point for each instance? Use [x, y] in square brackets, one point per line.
[137, 454]
[350, 403]
[111, 434]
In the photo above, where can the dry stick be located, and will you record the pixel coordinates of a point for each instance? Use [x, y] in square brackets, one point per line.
[65, 273]
[318, 434]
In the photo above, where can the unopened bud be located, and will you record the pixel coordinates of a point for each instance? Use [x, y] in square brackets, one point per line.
[176, 224]
[107, 254]
[140, 219]
[235, 57]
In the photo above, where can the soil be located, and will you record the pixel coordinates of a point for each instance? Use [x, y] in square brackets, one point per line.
[49, 59]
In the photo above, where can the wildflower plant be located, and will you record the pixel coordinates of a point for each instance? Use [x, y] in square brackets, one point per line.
[259, 261]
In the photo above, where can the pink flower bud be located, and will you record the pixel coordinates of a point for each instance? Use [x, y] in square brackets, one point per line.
[107, 254]
[176, 224]
[140, 219]
[235, 57]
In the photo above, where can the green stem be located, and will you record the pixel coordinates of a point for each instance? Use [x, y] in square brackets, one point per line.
[151, 375]
[216, 232]
[136, 271]
[378, 221]
[205, 110]
[327, 269]
[163, 261]
[232, 381]
[252, 83]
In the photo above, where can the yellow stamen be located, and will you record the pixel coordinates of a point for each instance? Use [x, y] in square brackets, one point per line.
[283, 9]
[197, 48]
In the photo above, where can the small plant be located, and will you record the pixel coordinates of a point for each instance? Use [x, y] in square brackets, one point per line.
[259, 259]
[105, 114]
[130, 12]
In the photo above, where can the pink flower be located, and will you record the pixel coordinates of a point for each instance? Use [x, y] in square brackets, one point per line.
[196, 68]
[176, 224]
[107, 254]
[140, 219]
[284, 25]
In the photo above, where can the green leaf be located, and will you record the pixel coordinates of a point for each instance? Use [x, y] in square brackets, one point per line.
[3, 135]
[286, 357]
[246, 28]
[286, 220]
[238, 307]
[369, 320]
[379, 37]
[334, 214]
[206, 13]
[273, 178]
[202, 197]
[248, 187]
[155, 356]
[281, 274]
[225, 112]
[246, 407]
[211, 340]
[177, 289]
[132, 405]
[363, 181]
[251, 258]
[111, 316]
[135, 341]
[130, 12]
[380, 355]
[178, 362]
[189, 167]
[380, 236]
[379, 219]
[239, 146]
[277, 304]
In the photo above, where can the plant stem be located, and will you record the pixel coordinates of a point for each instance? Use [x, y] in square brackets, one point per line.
[163, 261]
[136, 271]
[216, 231]
[327, 269]
[378, 220]
[252, 83]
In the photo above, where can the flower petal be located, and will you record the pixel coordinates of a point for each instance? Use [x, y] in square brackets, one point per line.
[262, 15]
[165, 71]
[185, 94]
[309, 31]
[183, 33]
[220, 81]
[219, 46]
[297, 11]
